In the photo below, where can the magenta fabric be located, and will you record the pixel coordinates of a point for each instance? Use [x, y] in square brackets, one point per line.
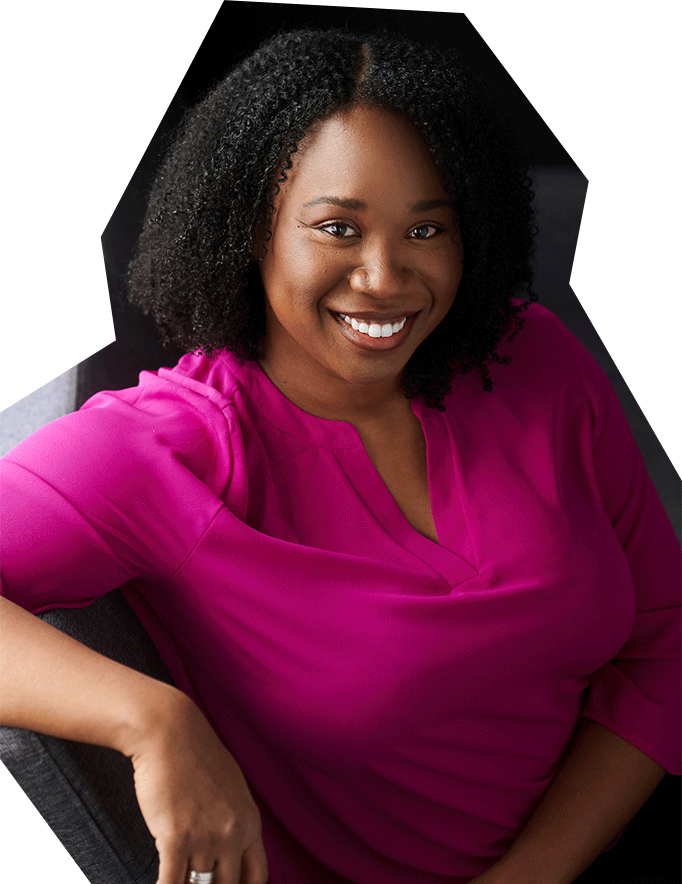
[398, 706]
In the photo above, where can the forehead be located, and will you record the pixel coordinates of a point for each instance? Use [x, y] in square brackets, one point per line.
[360, 152]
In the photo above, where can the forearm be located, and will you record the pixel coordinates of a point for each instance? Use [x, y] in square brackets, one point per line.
[601, 785]
[52, 684]
[191, 792]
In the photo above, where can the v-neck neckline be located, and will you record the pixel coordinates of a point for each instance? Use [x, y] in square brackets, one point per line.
[452, 557]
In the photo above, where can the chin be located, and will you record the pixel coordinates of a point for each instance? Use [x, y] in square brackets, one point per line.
[370, 377]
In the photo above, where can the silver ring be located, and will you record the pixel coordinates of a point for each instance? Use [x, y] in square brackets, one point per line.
[200, 877]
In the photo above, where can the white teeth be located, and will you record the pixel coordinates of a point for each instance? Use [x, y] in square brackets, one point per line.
[374, 329]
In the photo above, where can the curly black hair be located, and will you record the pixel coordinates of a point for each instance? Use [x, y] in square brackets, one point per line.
[194, 270]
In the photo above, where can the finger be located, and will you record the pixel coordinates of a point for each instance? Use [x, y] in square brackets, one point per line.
[201, 870]
[226, 870]
[254, 865]
[201, 862]
[172, 864]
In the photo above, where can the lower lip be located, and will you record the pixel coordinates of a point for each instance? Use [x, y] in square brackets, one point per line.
[369, 343]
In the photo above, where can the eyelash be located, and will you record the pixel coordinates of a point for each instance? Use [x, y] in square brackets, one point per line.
[326, 228]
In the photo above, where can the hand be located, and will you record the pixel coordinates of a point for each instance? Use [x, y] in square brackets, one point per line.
[196, 803]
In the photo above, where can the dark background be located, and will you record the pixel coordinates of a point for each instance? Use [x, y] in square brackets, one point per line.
[651, 845]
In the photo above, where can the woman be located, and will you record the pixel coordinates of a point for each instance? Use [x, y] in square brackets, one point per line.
[388, 528]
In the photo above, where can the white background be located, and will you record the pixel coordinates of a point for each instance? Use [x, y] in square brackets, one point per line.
[86, 84]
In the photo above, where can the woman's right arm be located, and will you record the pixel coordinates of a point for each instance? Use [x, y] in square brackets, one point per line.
[191, 791]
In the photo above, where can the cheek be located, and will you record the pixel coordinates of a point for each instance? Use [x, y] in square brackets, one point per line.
[295, 292]
[299, 275]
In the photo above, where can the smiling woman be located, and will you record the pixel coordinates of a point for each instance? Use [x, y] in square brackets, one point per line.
[208, 218]
[363, 261]
[384, 521]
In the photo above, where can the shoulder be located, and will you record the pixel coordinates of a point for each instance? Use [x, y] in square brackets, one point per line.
[178, 420]
[546, 377]
[546, 357]
[544, 340]
[115, 475]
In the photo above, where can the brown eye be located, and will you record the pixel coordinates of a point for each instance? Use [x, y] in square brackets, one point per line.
[338, 229]
[425, 231]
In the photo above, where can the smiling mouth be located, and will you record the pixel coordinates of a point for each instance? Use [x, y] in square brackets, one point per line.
[374, 329]
[373, 332]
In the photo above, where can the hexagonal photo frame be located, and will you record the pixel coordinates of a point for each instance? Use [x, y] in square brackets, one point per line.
[560, 191]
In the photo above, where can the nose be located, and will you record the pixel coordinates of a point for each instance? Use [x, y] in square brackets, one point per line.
[382, 273]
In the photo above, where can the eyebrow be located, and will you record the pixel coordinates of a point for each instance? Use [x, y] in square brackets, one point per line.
[427, 205]
[358, 205]
[342, 202]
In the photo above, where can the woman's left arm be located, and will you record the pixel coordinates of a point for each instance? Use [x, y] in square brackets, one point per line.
[600, 786]
[604, 779]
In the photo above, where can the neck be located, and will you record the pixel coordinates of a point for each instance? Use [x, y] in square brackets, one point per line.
[337, 399]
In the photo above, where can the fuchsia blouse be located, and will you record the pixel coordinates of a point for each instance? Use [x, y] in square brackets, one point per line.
[398, 706]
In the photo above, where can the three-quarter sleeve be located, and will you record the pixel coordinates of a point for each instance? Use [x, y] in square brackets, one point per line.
[637, 695]
[123, 488]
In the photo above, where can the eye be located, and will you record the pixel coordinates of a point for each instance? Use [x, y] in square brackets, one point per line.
[425, 231]
[338, 229]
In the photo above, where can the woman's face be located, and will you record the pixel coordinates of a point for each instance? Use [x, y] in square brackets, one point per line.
[364, 260]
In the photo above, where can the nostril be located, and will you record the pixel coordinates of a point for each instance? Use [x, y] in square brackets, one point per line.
[358, 279]
[381, 280]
